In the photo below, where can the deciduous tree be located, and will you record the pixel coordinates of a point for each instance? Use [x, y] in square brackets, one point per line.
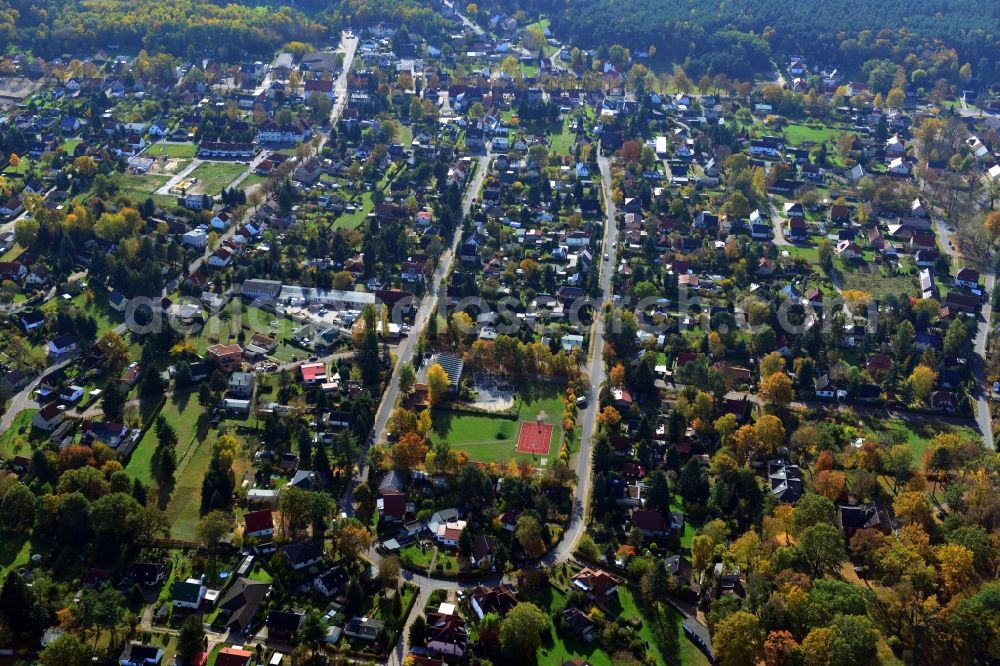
[437, 383]
[739, 639]
[521, 629]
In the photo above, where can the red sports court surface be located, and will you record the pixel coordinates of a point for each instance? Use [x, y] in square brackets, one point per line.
[534, 438]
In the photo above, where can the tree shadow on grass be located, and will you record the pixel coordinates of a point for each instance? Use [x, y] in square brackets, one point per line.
[10, 547]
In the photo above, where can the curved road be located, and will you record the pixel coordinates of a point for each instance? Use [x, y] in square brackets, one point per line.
[564, 550]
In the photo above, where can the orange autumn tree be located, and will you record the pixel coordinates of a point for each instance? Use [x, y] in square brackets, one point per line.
[409, 452]
[830, 484]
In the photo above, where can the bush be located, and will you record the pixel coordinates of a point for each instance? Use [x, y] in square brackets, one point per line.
[439, 567]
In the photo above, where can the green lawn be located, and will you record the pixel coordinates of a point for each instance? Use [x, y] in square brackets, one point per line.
[877, 284]
[194, 450]
[183, 509]
[14, 442]
[414, 556]
[183, 413]
[70, 145]
[253, 179]
[796, 133]
[261, 575]
[354, 220]
[562, 143]
[213, 177]
[919, 433]
[106, 317]
[557, 649]
[13, 253]
[15, 552]
[172, 150]
[224, 328]
[494, 438]
[662, 634]
[140, 186]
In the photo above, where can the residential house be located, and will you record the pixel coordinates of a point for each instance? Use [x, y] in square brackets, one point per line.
[14, 381]
[48, 417]
[303, 554]
[579, 624]
[598, 584]
[483, 549]
[240, 385]
[967, 278]
[786, 481]
[233, 656]
[31, 320]
[944, 401]
[136, 654]
[447, 634]
[239, 606]
[282, 625]
[313, 373]
[448, 533]
[61, 346]
[258, 524]
[364, 628]
[850, 519]
[188, 594]
[392, 506]
[797, 231]
[227, 358]
[499, 600]
[332, 582]
[651, 523]
[117, 300]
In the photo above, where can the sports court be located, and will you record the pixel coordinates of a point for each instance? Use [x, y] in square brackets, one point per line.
[534, 437]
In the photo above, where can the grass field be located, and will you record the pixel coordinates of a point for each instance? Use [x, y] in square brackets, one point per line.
[194, 450]
[172, 150]
[919, 433]
[140, 186]
[494, 438]
[224, 329]
[253, 179]
[183, 413]
[70, 145]
[416, 557]
[213, 177]
[662, 634]
[14, 441]
[878, 285]
[354, 220]
[99, 309]
[796, 133]
[562, 143]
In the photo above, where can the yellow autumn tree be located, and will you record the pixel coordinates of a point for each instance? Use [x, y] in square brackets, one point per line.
[609, 417]
[776, 389]
[922, 381]
[744, 442]
[437, 383]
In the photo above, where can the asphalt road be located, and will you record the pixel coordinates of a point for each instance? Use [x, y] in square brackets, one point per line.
[578, 521]
[404, 353]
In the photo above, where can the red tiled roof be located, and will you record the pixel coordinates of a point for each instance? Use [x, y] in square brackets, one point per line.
[258, 521]
[313, 371]
[649, 521]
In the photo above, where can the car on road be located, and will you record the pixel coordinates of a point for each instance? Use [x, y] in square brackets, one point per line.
[950, 229]
[607, 257]
[314, 358]
[996, 387]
